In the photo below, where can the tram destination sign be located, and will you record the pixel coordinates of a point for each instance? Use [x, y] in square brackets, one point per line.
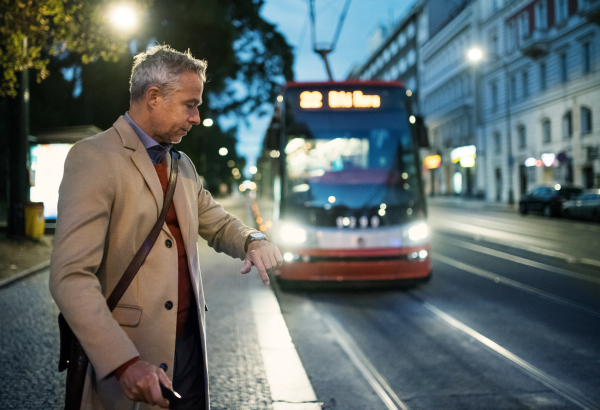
[350, 98]
[339, 99]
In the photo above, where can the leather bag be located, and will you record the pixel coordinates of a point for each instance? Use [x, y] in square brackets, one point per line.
[72, 356]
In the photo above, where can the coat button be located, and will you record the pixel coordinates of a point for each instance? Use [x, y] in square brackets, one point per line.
[168, 243]
[164, 366]
[169, 305]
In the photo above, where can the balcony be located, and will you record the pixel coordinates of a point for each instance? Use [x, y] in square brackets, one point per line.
[537, 44]
[590, 9]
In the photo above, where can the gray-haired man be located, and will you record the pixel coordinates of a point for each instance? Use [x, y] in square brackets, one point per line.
[110, 197]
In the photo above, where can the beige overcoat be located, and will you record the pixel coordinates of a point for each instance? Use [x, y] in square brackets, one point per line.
[109, 199]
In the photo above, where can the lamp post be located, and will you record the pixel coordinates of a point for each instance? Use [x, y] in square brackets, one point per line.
[475, 55]
[18, 154]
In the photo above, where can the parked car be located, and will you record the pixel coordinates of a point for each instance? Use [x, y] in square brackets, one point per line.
[585, 206]
[548, 199]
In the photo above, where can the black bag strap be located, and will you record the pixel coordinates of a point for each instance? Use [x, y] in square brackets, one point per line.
[146, 247]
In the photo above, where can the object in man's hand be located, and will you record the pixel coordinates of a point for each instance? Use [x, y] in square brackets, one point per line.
[170, 395]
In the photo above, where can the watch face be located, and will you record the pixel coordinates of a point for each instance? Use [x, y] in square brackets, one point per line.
[258, 236]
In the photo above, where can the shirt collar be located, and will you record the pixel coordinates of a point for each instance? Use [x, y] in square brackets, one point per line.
[155, 150]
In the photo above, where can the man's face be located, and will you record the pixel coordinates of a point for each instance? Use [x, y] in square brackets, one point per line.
[176, 113]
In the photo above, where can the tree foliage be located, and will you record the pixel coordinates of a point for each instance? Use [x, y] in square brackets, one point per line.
[248, 60]
[33, 30]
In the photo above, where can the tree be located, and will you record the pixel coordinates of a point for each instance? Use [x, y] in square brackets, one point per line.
[248, 60]
[33, 30]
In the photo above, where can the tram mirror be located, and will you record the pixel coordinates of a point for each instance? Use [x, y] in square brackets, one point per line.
[420, 132]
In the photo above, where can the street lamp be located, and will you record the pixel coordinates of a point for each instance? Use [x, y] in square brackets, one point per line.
[475, 54]
[123, 17]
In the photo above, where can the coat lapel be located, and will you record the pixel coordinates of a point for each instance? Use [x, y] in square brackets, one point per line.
[182, 203]
[141, 160]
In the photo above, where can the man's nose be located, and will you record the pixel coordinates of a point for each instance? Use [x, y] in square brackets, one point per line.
[195, 118]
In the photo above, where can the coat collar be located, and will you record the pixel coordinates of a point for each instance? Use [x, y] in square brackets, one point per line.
[141, 159]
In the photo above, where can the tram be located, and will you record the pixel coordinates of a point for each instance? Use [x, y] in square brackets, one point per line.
[348, 200]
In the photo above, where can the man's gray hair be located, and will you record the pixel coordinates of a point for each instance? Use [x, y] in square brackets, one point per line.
[161, 66]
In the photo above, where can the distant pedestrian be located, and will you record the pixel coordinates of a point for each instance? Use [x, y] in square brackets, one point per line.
[111, 196]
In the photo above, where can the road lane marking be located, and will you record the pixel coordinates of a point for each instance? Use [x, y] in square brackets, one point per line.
[530, 248]
[377, 382]
[562, 389]
[513, 283]
[288, 382]
[518, 259]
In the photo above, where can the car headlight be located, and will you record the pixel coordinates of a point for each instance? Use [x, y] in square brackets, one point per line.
[418, 232]
[293, 234]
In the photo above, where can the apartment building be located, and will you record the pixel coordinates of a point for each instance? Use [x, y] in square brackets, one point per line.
[540, 94]
[395, 55]
[448, 102]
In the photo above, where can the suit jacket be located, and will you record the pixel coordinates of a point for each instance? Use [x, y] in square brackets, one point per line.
[109, 200]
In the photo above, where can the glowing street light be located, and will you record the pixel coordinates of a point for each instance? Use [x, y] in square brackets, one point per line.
[207, 122]
[223, 151]
[253, 170]
[475, 54]
[123, 17]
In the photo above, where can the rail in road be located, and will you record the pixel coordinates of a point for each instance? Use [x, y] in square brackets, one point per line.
[499, 326]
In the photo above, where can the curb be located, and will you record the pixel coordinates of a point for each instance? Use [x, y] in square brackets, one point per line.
[24, 273]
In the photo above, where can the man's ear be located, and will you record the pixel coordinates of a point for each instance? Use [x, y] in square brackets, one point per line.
[152, 96]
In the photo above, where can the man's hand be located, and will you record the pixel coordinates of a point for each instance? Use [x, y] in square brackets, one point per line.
[140, 383]
[265, 256]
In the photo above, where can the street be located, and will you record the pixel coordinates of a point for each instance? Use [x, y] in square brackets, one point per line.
[509, 320]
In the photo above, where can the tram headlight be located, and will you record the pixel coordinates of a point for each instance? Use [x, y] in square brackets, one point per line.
[418, 232]
[292, 233]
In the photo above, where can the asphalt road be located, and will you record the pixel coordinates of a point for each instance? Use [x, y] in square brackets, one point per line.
[509, 320]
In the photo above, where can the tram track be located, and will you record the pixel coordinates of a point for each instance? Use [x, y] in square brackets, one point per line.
[514, 284]
[391, 399]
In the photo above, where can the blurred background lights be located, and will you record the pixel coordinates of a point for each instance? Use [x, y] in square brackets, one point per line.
[123, 17]
[331, 199]
[412, 119]
[280, 98]
[207, 122]
[408, 93]
[475, 54]
[230, 163]
[253, 170]
[223, 151]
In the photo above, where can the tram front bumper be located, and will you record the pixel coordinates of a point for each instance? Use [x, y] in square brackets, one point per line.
[355, 264]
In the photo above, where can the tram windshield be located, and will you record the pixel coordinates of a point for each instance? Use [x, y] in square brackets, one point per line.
[349, 163]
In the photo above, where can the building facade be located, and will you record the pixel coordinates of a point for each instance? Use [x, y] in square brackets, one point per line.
[395, 57]
[540, 93]
[448, 89]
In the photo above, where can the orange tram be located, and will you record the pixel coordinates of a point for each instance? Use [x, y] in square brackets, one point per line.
[348, 200]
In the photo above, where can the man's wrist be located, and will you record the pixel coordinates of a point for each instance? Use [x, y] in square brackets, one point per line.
[123, 368]
[254, 236]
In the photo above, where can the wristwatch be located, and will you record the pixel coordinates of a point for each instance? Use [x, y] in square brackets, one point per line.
[255, 236]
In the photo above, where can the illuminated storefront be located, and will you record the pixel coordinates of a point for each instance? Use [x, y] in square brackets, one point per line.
[48, 153]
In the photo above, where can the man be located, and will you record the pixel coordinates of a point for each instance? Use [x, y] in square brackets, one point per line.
[110, 197]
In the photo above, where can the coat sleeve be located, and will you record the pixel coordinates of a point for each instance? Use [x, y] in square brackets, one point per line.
[223, 231]
[86, 197]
